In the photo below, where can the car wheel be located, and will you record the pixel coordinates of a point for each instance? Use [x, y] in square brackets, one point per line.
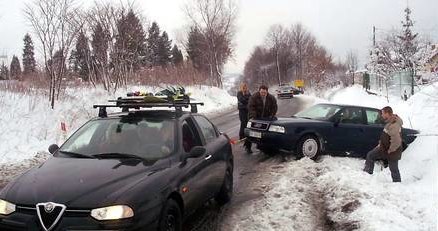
[309, 147]
[226, 191]
[171, 219]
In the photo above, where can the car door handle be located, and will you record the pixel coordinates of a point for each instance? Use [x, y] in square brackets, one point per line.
[208, 157]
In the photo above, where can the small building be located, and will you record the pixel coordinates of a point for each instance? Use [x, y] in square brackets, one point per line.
[429, 70]
[431, 62]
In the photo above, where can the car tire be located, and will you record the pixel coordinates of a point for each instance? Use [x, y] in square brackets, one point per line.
[309, 147]
[171, 218]
[226, 191]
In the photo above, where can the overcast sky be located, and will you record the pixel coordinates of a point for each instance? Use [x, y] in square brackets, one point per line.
[339, 25]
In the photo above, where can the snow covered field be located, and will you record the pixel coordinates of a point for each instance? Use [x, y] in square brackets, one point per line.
[335, 194]
[331, 194]
[28, 126]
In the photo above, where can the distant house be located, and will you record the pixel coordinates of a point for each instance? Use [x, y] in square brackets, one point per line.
[356, 77]
[429, 69]
[431, 62]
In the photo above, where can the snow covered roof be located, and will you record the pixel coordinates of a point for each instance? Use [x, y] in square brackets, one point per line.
[360, 71]
[432, 53]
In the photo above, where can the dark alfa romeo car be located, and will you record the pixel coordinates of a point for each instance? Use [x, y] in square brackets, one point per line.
[138, 170]
[323, 128]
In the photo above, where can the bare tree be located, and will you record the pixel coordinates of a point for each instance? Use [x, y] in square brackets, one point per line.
[102, 21]
[352, 62]
[115, 60]
[56, 23]
[216, 20]
[277, 40]
[289, 55]
[300, 39]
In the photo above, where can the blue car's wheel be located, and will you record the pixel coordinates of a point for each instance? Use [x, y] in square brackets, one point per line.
[309, 147]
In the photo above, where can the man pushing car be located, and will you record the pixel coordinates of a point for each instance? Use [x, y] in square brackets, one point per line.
[262, 105]
[390, 145]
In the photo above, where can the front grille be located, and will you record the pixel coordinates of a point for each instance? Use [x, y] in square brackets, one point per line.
[26, 210]
[68, 212]
[259, 125]
[49, 218]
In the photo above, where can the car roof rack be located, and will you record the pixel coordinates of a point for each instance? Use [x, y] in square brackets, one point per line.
[137, 102]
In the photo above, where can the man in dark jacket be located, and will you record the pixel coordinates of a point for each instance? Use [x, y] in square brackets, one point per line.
[262, 105]
[242, 105]
[390, 145]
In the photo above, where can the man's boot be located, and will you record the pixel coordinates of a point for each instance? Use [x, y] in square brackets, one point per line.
[248, 147]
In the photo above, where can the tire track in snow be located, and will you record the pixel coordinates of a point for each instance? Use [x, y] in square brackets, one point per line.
[294, 200]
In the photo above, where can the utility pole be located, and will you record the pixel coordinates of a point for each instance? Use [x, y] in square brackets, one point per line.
[412, 78]
[374, 36]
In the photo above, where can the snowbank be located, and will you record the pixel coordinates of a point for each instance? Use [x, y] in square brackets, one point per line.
[29, 126]
[335, 194]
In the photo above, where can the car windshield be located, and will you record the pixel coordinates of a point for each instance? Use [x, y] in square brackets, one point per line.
[319, 112]
[123, 137]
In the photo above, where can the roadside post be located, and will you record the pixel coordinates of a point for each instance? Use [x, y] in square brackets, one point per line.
[63, 131]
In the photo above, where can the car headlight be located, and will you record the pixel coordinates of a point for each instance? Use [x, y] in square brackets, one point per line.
[112, 213]
[248, 125]
[276, 128]
[6, 208]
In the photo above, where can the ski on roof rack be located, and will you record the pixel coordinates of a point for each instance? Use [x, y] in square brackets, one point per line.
[176, 99]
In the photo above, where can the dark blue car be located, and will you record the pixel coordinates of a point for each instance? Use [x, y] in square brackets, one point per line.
[323, 129]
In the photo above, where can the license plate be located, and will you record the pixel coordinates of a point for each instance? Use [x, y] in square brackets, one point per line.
[255, 134]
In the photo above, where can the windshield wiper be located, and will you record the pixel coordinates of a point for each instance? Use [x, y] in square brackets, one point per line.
[78, 155]
[304, 117]
[116, 155]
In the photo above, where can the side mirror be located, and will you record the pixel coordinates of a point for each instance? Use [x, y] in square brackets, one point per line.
[53, 148]
[196, 152]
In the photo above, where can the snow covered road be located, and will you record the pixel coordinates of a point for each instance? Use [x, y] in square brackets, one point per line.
[330, 194]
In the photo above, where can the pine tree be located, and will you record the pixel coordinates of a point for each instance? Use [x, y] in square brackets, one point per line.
[177, 57]
[409, 44]
[195, 50]
[81, 56]
[131, 41]
[72, 62]
[4, 72]
[29, 63]
[164, 50]
[15, 68]
[99, 43]
[58, 63]
[153, 45]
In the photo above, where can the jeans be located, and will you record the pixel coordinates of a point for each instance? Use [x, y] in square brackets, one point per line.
[376, 154]
[243, 116]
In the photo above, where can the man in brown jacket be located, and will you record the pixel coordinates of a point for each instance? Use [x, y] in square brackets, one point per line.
[262, 105]
[390, 145]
